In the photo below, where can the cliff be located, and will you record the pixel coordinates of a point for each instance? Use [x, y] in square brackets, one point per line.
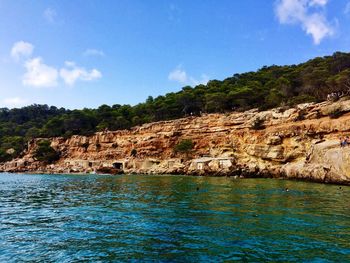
[296, 143]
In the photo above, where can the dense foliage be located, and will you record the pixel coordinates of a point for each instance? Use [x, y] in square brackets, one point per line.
[266, 88]
[45, 153]
[184, 146]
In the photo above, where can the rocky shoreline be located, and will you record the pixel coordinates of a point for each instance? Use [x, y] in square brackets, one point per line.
[293, 143]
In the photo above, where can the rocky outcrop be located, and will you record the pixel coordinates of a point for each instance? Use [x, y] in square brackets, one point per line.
[296, 143]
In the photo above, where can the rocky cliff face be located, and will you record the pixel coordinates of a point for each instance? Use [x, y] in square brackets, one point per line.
[300, 143]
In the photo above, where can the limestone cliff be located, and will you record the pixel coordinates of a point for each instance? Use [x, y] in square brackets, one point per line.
[300, 142]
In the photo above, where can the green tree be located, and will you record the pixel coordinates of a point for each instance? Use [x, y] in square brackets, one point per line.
[184, 146]
[265, 88]
[45, 153]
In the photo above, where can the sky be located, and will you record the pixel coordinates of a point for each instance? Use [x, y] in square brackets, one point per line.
[85, 53]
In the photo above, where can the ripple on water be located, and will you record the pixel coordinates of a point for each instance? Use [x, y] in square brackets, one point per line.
[71, 218]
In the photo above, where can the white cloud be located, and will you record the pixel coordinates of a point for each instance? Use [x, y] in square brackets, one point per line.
[203, 80]
[180, 75]
[318, 2]
[21, 49]
[317, 26]
[15, 102]
[72, 73]
[50, 15]
[93, 52]
[70, 64]
[39, 74]
[309, 14]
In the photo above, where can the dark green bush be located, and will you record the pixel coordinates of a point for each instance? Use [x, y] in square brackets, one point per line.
[4, 156]
[268, 87]
[45, 153]
[303, 98]
[184, 146]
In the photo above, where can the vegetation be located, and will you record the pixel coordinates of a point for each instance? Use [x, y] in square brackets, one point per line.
[184, 146]
[266, 88]
[45, 153]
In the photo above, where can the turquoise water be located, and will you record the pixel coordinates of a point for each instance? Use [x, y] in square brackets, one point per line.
[74, 218]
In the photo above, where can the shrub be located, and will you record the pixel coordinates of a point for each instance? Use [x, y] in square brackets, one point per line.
[304, 98]
[45, 153]
[5, 156]
[184, 146]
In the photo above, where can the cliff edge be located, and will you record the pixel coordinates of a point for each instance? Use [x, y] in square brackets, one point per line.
[297, 143]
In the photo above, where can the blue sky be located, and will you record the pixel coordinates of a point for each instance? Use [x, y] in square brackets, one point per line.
[85, 53]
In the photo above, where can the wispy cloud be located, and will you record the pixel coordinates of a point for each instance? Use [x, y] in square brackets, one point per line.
[14, 102]
[72, 73]
[307, 13]
[318, 2]
[202, 80]
[179, 75]
[39, 74]
[93, 52]
[50, 15]
[21, 49]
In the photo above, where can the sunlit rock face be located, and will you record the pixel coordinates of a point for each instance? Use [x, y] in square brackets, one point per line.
[301, 142]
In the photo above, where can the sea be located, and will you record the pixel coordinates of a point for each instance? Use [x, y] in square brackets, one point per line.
[137, 218]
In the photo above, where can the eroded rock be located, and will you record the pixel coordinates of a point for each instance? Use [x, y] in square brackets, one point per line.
[288, 146]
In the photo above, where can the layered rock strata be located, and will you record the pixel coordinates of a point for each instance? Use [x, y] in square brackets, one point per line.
[296, 143]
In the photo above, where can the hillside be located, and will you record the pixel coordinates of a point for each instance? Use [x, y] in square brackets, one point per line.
[301, 142]
[266, 88]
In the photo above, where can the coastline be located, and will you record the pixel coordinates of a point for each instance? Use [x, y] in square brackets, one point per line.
[300, 143]
[236, 177]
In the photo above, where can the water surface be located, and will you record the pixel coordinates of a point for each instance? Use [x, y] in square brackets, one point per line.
[74, 218]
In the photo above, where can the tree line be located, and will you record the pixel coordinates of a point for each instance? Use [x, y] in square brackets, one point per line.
[268, 87]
